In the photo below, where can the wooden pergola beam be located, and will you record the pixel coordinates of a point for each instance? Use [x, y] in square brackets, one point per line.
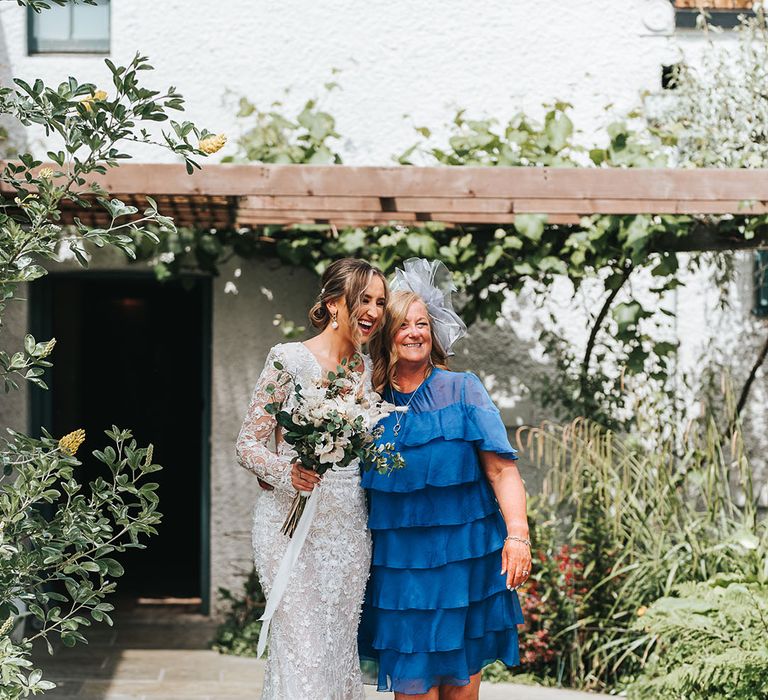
[253, 194]
[636, 184]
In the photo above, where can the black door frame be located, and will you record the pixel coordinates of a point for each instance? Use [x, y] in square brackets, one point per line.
[40, 409]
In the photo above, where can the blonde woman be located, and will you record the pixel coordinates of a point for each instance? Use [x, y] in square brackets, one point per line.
[312, 631]
[450, 533]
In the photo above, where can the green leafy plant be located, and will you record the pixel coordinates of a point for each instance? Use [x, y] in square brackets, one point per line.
[90, 125]
[716, 114]
[521, 142]
[239, 632]
[57, 540]
[621, 521]
[57, 537]
[40, 5]
[275, 138]
[709, 643]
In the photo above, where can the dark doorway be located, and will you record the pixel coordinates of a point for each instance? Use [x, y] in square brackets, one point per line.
[133, 352]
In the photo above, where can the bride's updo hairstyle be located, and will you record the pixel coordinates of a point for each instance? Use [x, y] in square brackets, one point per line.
[345, 279]
[384, 349]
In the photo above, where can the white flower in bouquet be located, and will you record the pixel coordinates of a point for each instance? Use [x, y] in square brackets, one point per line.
[330, 424]
[336, 452]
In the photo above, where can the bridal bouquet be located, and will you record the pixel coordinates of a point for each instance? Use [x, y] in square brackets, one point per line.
[332, 423]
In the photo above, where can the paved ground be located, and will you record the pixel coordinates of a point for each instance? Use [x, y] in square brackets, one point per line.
[160, 654]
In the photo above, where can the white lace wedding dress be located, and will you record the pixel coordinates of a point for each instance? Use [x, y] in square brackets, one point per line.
[313, 635]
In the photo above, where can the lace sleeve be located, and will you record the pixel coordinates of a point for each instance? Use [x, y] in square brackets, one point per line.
[367, 373]
[253, 452]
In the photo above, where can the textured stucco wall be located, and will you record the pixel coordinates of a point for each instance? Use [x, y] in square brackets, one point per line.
[242, 336]
[396, 58]
[14, 405]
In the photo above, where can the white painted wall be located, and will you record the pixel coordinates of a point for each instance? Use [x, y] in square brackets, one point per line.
[14, 406]
[242, 336]
[396, 57]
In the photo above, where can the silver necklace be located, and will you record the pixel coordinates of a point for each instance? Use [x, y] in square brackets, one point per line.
[401, 414]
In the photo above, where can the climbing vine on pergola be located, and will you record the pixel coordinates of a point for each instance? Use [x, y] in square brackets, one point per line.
[587, 228]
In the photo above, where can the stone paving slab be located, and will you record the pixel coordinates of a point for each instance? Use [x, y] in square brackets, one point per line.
[513, 691]
[163, 655]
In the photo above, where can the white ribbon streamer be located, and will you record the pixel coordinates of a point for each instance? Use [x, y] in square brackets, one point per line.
[284, 570]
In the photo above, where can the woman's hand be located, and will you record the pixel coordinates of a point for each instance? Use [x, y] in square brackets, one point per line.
[303, 479]
[265, 485]
[516, 563]
[509, 490]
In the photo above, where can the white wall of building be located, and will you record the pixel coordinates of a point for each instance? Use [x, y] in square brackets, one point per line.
[242, 336]
[396, 58]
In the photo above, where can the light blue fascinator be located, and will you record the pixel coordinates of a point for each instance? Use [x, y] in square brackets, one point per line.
[431, 280]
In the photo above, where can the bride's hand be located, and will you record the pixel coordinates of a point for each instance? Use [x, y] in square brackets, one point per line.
[265, 485]
[303, 479]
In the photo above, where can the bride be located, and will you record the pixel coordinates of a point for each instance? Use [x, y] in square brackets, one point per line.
[313, 631]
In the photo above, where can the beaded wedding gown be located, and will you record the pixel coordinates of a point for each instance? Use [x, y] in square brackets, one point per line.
[313, 634]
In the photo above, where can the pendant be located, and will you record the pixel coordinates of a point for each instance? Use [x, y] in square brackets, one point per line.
[396, 430]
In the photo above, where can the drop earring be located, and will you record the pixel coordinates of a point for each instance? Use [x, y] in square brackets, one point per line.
[334, 322]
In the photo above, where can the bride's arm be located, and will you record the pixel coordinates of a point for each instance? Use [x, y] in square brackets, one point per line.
[252, 445]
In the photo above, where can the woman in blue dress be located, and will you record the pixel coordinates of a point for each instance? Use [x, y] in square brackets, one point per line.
[450, 533]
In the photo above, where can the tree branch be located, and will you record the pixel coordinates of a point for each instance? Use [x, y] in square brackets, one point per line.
[628, 267]
[750, 380]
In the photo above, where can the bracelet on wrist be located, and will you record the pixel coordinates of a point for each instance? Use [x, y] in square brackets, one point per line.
[515, 538]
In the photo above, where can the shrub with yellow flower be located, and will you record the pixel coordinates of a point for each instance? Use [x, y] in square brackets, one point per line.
[45, 173]
[48, 348]
[211, 144]
[72, 441]
[98, 96]
[7, 626]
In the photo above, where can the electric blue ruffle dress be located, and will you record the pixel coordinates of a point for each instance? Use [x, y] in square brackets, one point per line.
[437, 608]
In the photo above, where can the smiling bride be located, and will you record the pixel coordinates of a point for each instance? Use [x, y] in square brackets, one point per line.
[313, 611]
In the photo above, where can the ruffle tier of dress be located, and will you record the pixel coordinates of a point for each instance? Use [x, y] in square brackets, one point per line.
[437, 608]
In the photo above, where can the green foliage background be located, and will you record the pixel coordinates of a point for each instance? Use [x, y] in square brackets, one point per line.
[710, 643]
